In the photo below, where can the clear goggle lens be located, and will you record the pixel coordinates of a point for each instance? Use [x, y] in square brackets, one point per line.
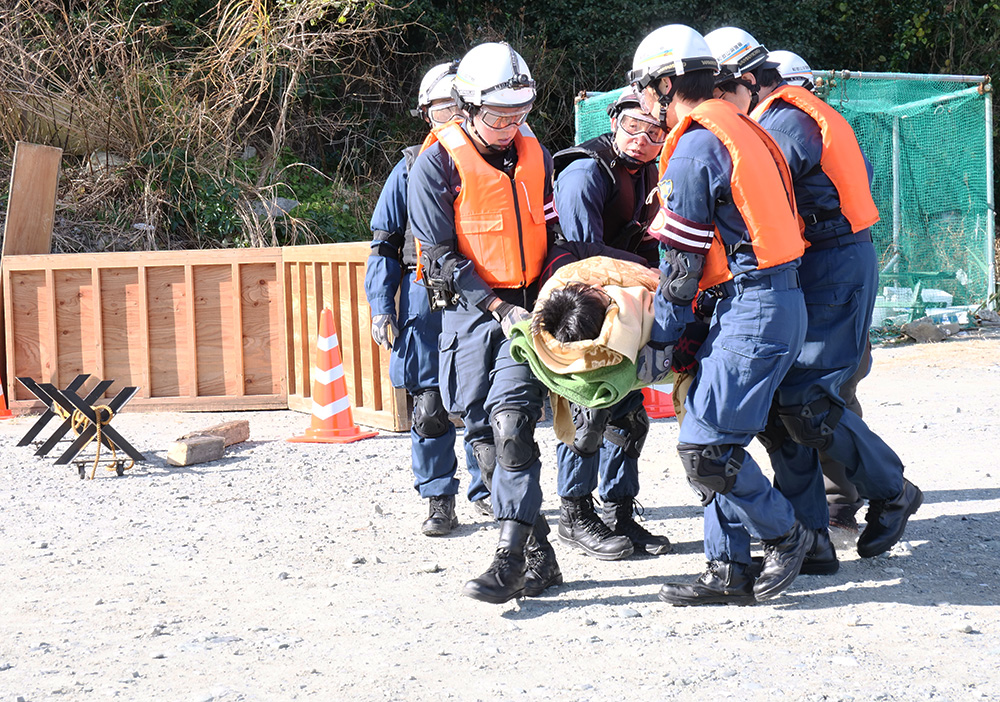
[647, 98]
[635, 126]
[497, 120]
[441, 113]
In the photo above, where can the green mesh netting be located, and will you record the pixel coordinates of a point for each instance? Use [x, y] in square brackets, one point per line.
[927, 142]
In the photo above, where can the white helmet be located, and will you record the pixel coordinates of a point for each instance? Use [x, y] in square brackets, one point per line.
[493, 74]
[670, 51]
[435, 85]
[737, 51]
[793, 68]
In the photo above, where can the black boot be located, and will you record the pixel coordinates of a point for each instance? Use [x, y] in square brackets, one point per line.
[619, 518]
[543, 571]
[887, 520]
[580, 527]
[504, 579]
[484, 507]
[822, 557]
[721, 583]
[442, 517]
[783, 559]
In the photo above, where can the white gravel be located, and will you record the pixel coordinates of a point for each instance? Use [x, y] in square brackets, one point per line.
[295, 571]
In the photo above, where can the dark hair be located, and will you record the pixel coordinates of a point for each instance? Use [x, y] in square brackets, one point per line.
[766, 77]
[695, 86]
[573, 313]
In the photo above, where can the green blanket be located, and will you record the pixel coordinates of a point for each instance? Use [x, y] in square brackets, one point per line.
[599, 388]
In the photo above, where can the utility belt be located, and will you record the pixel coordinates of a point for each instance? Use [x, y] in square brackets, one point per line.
[832, 242]
[780, 280]
[815, 218]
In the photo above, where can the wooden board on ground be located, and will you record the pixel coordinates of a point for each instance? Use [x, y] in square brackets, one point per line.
[231, 432]
[197, 449]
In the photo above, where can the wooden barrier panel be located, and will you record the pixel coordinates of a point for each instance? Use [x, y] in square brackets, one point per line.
[226, 329]
[195, 330]
[332, 275]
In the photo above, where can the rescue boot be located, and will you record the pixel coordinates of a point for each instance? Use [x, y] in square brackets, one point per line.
[504, 579]
[723, 582]
[543, 571]
[822, 557]
[783, 559]
[619, 518]
[580, 527]
[442, 517]
[887, 520]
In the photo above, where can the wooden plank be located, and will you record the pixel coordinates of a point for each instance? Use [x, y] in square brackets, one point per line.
[234, 432]
[197, 449]
[236, 291]
[262, 329]
[212, 293]
[50, 365]
[31, 206]
[73, 297]
[145, 387]
[169, 368]
[191, 337]
[123, 322]
[25, 302]
[98, 330]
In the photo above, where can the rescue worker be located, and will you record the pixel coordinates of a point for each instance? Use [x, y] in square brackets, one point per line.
[601, 195]
[842, 497]
[479, 197]
[726, 225]
[412, 335]
[839, 275]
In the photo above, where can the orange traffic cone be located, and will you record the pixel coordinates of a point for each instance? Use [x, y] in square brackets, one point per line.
[332, 421]
[4, 412]
[658, 401]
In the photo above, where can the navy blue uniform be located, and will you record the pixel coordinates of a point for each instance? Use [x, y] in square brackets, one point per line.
[754, 336]
[413, 364]
[478, 374]
[839, 276]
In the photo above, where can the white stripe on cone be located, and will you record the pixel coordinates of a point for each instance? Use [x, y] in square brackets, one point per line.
[328, 376]
[326, 343]
[324, 412]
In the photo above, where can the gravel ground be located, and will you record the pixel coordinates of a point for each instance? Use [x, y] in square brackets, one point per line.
[294, 571]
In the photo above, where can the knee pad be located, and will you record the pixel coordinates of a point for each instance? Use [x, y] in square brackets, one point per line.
[800, 422]
[629, 432]
[706, 473]
[514, 436]
[430, 418]
[486, 457]
[590, 424]
[774, 434]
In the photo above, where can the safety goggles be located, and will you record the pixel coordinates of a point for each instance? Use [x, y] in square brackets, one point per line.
[647, 98]
[442, 112]
[497, 120]
[635, 126]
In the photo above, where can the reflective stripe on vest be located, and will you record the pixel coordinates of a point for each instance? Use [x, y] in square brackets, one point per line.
[499, 221]
[842, 161]
[761, 187]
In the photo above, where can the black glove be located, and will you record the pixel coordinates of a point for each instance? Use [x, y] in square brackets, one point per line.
[508, 315]
[687, 346]
[652, 363]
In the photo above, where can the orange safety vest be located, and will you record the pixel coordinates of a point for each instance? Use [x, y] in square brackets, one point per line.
[762, 193]
[499, 221]
[842, 161]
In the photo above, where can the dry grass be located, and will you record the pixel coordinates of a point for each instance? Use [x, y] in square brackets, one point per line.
[177, 117]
